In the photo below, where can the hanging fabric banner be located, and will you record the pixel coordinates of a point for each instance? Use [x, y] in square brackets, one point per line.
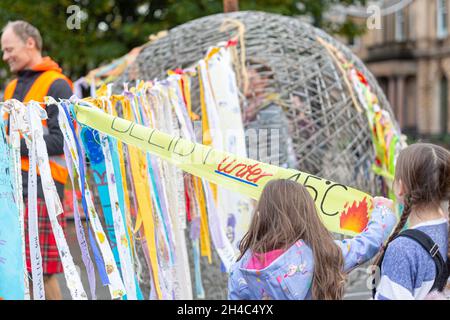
[387, 139]
[122, 191]
[14, 140]
[91, 143]
[107, 267]
[52, 201]
[215, 213]
[122, 243]
[235, 209]
[138, 164]
[33, 232]
[20, 119]
[12, 266]
[343, 209]
[169, 177]
[179, 82]
[81, 237]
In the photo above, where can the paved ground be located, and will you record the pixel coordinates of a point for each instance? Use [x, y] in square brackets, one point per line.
[356, 286]
[356, 290]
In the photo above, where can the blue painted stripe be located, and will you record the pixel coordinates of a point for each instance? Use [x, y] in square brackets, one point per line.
[235, 178]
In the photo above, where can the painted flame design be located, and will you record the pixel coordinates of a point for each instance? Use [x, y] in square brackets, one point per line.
[355, 217]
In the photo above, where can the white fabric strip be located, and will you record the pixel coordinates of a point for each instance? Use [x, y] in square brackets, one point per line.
[119, 227]
[33, 232]
[17, 172]
[177, 183]
[116, 286]
[52, 201]
[173, 180]
[235, 209]
[221, 242]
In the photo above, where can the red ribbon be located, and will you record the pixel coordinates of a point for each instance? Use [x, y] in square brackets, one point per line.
[231, 43]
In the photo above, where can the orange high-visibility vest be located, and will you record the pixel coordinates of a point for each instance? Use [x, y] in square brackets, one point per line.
[37, 92]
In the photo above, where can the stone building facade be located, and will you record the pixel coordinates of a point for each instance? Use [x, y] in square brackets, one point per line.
[410, 56]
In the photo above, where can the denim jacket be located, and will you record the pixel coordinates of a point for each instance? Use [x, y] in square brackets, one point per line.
[289, 277]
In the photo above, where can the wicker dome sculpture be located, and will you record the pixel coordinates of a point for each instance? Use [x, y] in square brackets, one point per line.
[329, 137]
[322, 132]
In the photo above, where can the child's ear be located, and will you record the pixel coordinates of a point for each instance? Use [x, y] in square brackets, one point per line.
[399, 189]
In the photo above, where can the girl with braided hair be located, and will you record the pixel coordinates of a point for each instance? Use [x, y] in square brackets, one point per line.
[422, 185]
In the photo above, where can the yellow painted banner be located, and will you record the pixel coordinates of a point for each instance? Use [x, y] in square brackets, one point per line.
[343, 209]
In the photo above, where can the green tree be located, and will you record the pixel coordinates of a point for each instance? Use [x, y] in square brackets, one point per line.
[110, 28]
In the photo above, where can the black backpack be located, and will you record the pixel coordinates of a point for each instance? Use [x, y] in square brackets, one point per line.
[442, 268]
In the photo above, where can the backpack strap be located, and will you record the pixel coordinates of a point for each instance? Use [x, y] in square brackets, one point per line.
[442, 268]
[433, 249]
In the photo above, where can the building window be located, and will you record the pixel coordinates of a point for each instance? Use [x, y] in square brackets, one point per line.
[400, 27]
[444, 104]
[442, 24]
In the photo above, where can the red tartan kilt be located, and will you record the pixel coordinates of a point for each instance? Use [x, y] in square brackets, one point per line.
[51, 263]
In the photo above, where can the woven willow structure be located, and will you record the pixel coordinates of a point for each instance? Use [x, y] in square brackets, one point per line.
[328, 136]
